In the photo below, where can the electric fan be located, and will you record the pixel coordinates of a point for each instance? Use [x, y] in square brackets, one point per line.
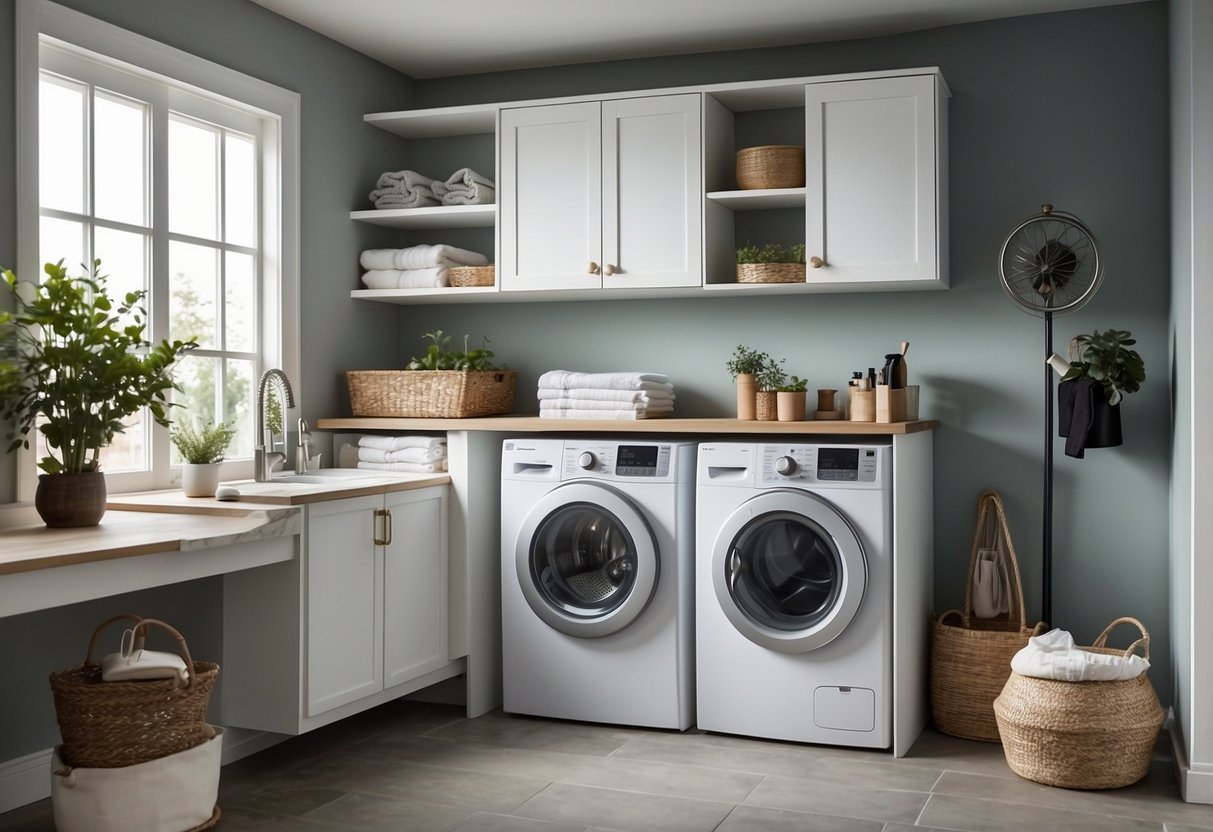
[1050, 265]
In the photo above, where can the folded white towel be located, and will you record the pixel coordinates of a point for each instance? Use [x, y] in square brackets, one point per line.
[652, 392]
[405, 467]
[1054, 656]
[596, 404]
[406, 278]
[466, 187]
[400, 441]
[418, 198]
[619, 415]
[565, 379]
[402, 455]
[420, 257]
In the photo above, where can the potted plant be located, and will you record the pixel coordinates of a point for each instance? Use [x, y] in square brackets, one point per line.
[771, 263]
[202, 451]
[790, 399]
[743, 366]
[1103, 369]
[73, 365]
[768, 380]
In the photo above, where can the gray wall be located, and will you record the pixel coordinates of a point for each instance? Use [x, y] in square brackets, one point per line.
[340, 159]
[1067, 108]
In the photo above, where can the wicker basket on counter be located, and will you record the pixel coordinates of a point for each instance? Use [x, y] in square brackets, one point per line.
[465, 276]
[440, 394]
[770, 166]
[770, 273]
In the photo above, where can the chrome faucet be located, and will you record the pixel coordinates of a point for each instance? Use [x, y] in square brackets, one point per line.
[264, 455]
[303, 451]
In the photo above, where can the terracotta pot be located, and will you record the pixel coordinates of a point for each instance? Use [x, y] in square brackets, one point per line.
[766, 407]
[790, 406]
[66, 501]
[745, 396]
[200, 479]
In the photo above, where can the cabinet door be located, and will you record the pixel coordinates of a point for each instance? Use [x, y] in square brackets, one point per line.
[415, 585]
[870, 159]
[652, 192]
[344, 612]
[550, 197]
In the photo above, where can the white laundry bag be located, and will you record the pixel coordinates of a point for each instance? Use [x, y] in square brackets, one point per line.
[170, 794]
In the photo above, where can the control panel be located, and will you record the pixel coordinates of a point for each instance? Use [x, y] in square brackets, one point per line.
[616, 460]
[824, 464]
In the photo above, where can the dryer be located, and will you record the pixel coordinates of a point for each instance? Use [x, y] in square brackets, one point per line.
[794, 592]
[597, 580]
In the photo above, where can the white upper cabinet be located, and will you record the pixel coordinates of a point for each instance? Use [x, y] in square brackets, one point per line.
[875, 181]
[601, 195]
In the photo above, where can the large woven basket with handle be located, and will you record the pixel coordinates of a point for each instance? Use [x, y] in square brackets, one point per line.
[113, 724]
[438, 394]
[971, 656]
[1081, 735]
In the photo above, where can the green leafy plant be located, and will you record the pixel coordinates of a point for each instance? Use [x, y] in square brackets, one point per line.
[795, 384]
[1106, 358]
[204, 445]
[771, 376]
[746, 361]
[74, 364]
[440, 356]
[771, 253]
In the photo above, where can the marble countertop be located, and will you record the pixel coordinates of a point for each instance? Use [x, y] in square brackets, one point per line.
[275, 493]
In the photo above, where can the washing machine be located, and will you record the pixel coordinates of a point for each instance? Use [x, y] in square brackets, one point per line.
[597, 580]
[794, 592]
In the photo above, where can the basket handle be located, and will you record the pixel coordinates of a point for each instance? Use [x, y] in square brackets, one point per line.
[140, 630]
[1143, 642]
[995, 524]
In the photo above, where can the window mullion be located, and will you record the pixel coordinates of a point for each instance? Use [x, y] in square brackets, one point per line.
[160, 277]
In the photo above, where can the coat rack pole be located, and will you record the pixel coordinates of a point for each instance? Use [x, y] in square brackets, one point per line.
[1046, 607]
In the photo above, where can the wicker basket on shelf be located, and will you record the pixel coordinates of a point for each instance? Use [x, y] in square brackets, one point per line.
[464, 276]
[770, 273]
[440, 394]
[770, 166]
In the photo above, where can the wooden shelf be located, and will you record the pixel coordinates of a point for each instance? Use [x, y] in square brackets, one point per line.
[445, 216]
[760, 199]
[516, 423]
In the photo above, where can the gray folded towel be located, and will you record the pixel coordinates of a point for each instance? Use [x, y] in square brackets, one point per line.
[466, 187]
[403, 189]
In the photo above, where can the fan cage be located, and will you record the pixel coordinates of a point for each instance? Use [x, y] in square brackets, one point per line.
[1050, 264]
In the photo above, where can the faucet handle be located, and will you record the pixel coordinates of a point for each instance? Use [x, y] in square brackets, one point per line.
[303, 431]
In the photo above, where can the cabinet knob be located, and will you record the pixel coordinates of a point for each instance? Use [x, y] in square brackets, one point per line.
[592, 268]
[816, 262]
[609, 269]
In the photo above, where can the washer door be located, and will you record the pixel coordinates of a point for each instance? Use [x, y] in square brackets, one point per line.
[586, 560]
[789, 571]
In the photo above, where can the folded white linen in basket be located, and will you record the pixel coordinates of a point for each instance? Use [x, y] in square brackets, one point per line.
[420, 257]
[1054, 656]
[466, 187]
[405, 467]
[565, 379]
[619, 415]
[595, 404]
[402, 455]
[660, 394]
[406, 278]
[400, 441]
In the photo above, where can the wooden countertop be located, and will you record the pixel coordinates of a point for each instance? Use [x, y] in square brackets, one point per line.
[515, 423]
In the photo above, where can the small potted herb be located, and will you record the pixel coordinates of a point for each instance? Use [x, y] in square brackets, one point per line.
[202, 451]
[1103, 369]
[790, 399]
[768, 380]
[744, 365]
[771, 263]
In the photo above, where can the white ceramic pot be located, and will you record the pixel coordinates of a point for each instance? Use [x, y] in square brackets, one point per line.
[199, 480]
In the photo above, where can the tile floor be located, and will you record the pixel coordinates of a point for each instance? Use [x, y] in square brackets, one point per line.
[414, 767]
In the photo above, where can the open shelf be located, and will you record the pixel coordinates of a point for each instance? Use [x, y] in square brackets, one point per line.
[443, 216]
[760, 199]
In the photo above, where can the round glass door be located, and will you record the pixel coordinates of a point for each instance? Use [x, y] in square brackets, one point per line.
[789, 571]
[586, 560]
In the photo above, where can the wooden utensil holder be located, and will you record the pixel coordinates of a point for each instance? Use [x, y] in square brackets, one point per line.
[863, 406]
[890, 404]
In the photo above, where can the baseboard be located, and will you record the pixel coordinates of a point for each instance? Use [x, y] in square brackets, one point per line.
[27, 779]
[1195, 782]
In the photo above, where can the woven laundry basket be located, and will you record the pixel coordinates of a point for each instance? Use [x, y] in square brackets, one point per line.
[770, 166]
[770, 273]
[1081, 735]
[438, 394]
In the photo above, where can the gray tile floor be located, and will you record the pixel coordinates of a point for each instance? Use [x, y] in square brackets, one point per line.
[419, 767]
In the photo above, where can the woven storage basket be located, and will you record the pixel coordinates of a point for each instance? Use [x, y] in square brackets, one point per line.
[970, 656]
[442, 394]
[464, 276]
[1081, 735]
[770, 166]
[112, 724]
[770, 273]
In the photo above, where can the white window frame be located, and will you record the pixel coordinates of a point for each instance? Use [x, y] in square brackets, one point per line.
[278, 111]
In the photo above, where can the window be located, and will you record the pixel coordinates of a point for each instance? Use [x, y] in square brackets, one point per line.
[180, 177]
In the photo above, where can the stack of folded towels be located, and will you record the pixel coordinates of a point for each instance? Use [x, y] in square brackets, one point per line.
[407, 454]
[417, 267]
[568, 395]
[410, 189]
